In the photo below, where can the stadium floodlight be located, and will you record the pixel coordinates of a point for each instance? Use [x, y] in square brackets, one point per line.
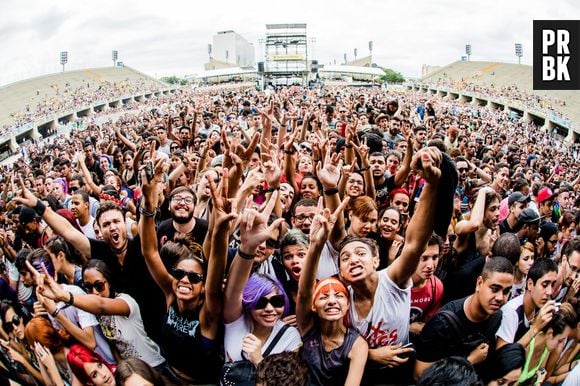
[468, 51]
[355, 53]
[209, 49]
[63, 59]
[115, 56]
[371, 47]
[345, 58]
[227, 55]
[519, 52]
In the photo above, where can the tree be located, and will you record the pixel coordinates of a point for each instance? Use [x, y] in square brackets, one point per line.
[174, 80]
[392, 76]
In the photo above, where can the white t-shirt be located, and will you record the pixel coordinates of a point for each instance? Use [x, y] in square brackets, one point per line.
[328, 264]
[236, 330]
[85, 319]
[129, 336]
[388, 320]
[88, 229]
[510, 320]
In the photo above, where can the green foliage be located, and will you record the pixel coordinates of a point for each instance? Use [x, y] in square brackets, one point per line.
[392, 76]
[174, 80]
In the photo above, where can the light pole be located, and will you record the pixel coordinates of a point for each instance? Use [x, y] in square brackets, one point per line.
[519, 52]
[63, 59]
[468, 51]
[115, 56]
[355, 52]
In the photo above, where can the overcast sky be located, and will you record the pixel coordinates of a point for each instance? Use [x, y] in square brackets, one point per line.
[170, 37]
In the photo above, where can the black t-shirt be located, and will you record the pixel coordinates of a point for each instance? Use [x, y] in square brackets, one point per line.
[133, 278]
[382, 192]
[461, 282]
[440, 339]
[166, 232]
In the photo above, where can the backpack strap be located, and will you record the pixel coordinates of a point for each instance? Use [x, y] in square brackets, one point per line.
[275, 340]
[453, 320]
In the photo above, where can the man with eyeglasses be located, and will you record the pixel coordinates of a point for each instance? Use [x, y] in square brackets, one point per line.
[181, 207]
[303, 214]
[570, 270]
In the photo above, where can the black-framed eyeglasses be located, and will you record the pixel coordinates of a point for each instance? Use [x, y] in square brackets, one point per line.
[9, 325]
[193, 277]
[98, 285]
[551, 241]
[179, 200]
[303, 217]
[277, 301]
[272, 243]
[461, 170]
[304, 147]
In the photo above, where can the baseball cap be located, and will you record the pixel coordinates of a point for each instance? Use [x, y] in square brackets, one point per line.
[545, 194]
[517, 197]
[529, 216]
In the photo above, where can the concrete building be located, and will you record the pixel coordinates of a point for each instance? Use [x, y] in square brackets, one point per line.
[232, 49]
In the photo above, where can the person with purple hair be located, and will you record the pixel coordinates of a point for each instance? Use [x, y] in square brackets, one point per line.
[255, 305]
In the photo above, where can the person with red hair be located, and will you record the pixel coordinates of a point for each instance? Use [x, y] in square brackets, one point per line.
[50, 350]
[90, 368]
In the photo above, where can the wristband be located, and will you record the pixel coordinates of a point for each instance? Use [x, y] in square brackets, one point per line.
[364, 169]
[58, 309]
[71, 299]
[146, 213]
[289, 152]
[271, 190]
[39, 208]
[246, 256]
[349, 146]
[331, 191]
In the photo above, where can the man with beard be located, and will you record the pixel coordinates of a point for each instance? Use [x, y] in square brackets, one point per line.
[393, 136]
[467, 327]
[122, 256]
[181, 206]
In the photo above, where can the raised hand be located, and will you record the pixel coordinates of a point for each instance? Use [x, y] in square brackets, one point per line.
[254, 229]
[427, 162]
[330, 173]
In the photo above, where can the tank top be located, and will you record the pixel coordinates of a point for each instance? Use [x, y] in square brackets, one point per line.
[527, 372]
[185, 348]
[327, 368]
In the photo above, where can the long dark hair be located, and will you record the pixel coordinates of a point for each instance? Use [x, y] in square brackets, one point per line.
[103, 268]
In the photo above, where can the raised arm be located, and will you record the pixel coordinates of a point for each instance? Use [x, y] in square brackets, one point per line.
[405, 169]
[86, 174]
[150, 190]
[421, 225]
[221, 216]
[94, 304]
[466, 227]
[59, 224]
[254, 230]
[329, 176]
[319, 232]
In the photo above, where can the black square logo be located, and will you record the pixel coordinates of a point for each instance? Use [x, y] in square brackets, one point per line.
[556, 55]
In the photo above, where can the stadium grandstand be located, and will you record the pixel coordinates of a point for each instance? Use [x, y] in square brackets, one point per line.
[31, 107]
[508, 86]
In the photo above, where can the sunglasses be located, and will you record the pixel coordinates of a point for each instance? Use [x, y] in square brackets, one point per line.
[277, 301]
[9, 325]
[193, 277]
[98, 285]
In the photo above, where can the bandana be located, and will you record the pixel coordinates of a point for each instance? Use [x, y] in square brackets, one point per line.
[324, 286]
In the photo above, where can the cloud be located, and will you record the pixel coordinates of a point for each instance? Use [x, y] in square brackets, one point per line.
[172, 36]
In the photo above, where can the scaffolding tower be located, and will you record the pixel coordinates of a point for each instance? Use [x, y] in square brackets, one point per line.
[286, 54]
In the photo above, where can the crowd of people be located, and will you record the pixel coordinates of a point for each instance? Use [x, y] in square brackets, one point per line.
[64, 97]
[512, 94]
[293, 236]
